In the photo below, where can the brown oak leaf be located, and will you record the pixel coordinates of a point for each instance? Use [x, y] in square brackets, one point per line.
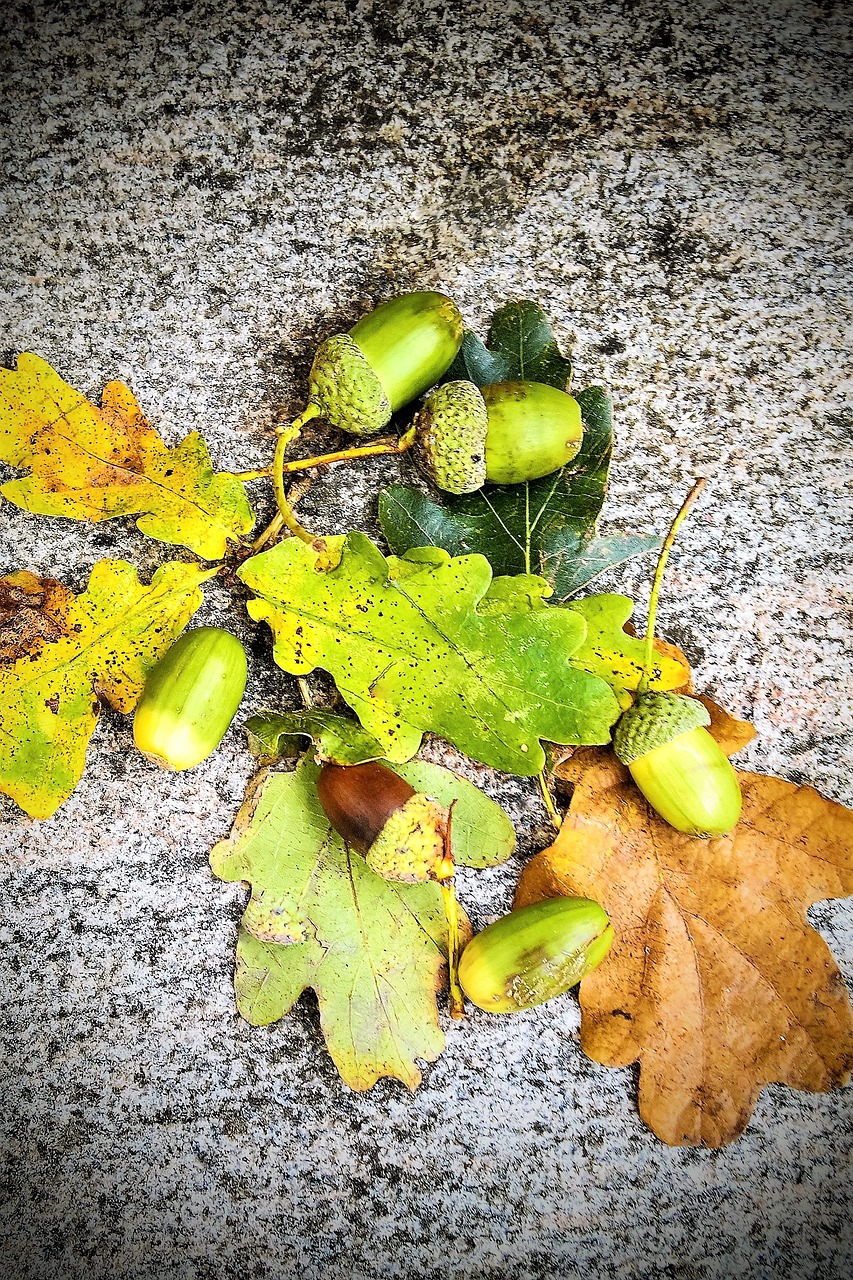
[32, 612]
[716, 982]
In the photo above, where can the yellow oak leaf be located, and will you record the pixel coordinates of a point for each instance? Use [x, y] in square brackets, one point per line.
[715, 983]
[106, 641]
[89, 463]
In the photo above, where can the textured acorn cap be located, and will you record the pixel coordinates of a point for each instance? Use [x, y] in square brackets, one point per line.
[410, 846]
[451, 437]
[345, 388]
[654, 720]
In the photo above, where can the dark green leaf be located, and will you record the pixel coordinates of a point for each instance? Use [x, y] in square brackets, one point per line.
[546, 527]
[521, 346]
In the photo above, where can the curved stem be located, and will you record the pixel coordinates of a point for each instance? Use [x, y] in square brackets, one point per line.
[284, 508]
[553, 812]
[648, 652]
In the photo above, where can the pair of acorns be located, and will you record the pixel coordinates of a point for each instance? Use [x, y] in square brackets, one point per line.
[464, 437]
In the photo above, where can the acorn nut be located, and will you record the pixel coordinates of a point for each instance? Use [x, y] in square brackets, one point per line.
[190, 698]
[534, 953]
[389, 358]
[677, 765]
[400, 832]
[505, 434]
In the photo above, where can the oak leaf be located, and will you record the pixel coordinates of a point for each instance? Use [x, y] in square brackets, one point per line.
[716, 983]
[432, 644]
[373, 950]
[108, 639]
[89, 463]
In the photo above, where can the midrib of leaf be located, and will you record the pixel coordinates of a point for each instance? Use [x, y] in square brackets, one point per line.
[155, 484]
[368, 959]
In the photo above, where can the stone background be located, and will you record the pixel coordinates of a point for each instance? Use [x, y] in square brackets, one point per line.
[194, 195]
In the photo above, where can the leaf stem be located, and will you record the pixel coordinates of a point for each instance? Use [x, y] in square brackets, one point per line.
[553, 812]
[648, 652]
[286, 433]
[445, 876]
[260, 474]
[305, 691]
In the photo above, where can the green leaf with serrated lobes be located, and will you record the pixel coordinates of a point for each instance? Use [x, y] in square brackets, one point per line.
[276, 735]
[414, 654]
[547, 526]
[521, 347]
[372, 949]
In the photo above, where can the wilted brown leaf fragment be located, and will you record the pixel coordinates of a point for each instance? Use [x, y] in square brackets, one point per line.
[716, 982]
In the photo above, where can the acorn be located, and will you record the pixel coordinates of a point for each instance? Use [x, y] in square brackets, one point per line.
[190, 698]
[534, 953]
[677, 765]
[389, 358]
[400, 832]
[505, 434]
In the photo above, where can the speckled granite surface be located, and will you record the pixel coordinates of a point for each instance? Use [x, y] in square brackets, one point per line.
[194, 194]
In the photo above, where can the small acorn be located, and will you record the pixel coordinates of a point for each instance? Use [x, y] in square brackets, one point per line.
[680, 769]
[534, 953]
[505, 434]
[389, 358]
[401, 833]
[190, 698]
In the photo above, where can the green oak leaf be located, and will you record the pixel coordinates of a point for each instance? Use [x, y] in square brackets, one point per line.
[276, 735]
[373, 950]
[412, 653]
[610, 652]
[521, 346]
[546, 526]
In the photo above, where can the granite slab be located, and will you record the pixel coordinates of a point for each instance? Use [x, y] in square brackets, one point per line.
[194, 194]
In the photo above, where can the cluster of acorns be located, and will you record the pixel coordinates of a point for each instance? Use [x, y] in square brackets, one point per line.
[464, 437]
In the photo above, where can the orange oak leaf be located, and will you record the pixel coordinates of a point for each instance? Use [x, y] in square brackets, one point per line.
[89, 463]
[716, 982]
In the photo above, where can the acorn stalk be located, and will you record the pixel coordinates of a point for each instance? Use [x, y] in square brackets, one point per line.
[663, 739]
[534, 954]
[190, 698]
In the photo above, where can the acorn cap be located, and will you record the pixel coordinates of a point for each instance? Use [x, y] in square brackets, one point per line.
[451, 437]
[410, 846]
[654, 720]
[345, 388]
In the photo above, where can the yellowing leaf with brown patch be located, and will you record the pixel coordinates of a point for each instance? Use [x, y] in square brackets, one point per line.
[105, 642]
[716, 983]
[88, 463]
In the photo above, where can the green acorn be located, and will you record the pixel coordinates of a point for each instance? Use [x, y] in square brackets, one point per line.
[394, 354]
[506, 434]
[534, 953]
[190, 698]
[663, 738]
[680, 769]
